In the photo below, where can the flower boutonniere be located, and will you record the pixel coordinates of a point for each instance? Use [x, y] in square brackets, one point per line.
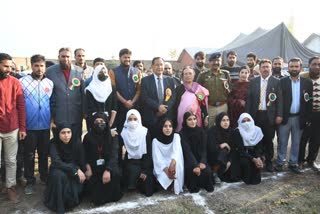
[201, 97]
[226, 85]
[168, 94]
[271, 98]
[75, 82]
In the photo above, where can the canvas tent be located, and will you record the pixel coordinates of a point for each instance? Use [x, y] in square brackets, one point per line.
[313, 42]
[269, 44]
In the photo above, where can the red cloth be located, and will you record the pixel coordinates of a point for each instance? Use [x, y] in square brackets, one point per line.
[66, 74]
[12, 108]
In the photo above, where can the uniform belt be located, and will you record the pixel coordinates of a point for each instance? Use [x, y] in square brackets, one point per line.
[216, 104]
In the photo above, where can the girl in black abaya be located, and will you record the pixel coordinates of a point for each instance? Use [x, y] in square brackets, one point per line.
[66, 173]
[194, 146]
[102, 162]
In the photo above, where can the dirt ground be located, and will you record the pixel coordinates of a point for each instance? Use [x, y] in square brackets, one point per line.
[278, 193]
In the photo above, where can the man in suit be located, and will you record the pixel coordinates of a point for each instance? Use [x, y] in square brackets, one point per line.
[157, 96]
[264, 104]
[297, 107]
[67, 100]
[310, 133]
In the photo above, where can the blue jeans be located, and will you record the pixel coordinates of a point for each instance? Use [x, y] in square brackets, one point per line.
[293, 127]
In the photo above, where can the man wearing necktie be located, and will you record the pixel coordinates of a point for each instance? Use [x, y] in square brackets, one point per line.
[264, 104]
[157, 95]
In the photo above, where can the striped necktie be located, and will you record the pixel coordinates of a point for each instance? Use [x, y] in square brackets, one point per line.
[263, 93]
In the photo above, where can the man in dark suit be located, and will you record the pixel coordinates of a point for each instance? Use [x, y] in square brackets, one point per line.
[157, 96]
[297, 108]
[67, 100]
[264, 104]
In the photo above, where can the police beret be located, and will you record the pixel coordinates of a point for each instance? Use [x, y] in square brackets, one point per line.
[214, 56]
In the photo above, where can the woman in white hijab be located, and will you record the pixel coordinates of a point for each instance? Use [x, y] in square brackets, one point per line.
[247, 144]
[100, 95]
[138, 159]
[167, 157]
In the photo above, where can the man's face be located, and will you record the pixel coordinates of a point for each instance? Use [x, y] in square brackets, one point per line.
[80, 57]
[251, 62]
[158, 67]
[65, 60]
[232, 59]
[5, 68]
[200, 61]
[125, 60]
[265, 69]
[140, 67]
[168, 70]
[294, 68]
[314, 67]
[277, 65]
[215, 64]
[38, 69]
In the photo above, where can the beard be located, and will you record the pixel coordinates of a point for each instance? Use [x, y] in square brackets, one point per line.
[294, 73]
[3, 75]
[314, 74]
[231, 63]
[65, 66]
[200, 64]
[250, 65]
[276, 70]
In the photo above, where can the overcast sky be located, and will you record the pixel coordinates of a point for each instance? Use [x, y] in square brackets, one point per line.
[149, 28]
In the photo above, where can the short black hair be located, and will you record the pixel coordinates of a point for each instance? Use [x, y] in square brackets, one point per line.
[200, 54]
[65, 49]
[135, 63]
[4, 56]
[278, 57]
[124, 51]
[313, 58]
[265, 61]
[232, 53]
[98, 59]
[254, 56]
[156, 58]
[37, 58]
[49, 63]
[295, 59]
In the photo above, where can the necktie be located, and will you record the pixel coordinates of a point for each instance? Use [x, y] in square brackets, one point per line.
[160, 91]
[263, 93]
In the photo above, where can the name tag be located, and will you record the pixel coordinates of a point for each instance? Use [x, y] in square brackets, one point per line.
[100, 162]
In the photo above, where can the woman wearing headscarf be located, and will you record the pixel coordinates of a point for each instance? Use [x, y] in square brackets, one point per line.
[168, 157]
[66, 174]
[138, 159]
[220, 152]
[191, 96]
[194, 145]
[247, 144]
[100, 95]
[102, 162]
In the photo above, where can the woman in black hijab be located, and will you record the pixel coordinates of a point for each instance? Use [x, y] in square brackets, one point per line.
[66, 173]
[102, 162]
[220, 151]
[194, 147]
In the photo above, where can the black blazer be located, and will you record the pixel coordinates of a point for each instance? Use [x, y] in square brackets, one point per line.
[253, 98]
[305, 105]
[150, 102]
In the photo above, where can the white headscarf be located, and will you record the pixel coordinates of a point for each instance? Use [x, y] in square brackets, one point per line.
[134, 138]
[100, 89]
[251, 134]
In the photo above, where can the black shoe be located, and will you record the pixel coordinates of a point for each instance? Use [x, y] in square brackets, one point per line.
[269, 167]
[295, 169]
[279, 168]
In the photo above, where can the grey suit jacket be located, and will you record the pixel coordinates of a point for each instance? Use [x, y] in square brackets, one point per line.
[253, 98]
[67, 104]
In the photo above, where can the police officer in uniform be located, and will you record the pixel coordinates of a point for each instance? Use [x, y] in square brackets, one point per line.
[217, 81]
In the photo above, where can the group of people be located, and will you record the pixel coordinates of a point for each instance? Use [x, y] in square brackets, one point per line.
[155, 131]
